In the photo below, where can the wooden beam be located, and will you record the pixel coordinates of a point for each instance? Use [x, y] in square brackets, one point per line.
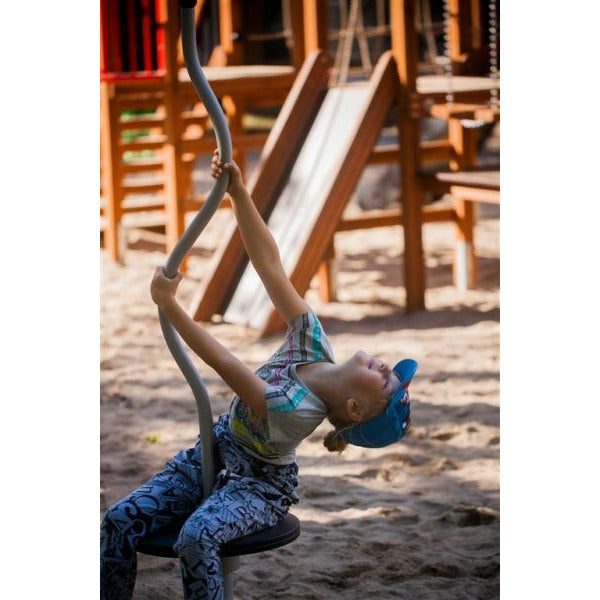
[297, 28]
[404, 47]
[435, 151]
[392, 217]
[371, 219]
[157, 203]
[143, 166]
[481, 112]
[230, 24]
[475, 24]
[143, 100]
[146, 143]
[464, 141]
[485, 177]
[464, 267]
[111, 174]
[326, 274]
[145, 122]
[315, 25]
[137, 205]
[475, 194]
[442, 182]
[195, 203]
[467, 89]
[133, 187]
[455, 39]
[243, 141]
[430, 151]
[174, 186]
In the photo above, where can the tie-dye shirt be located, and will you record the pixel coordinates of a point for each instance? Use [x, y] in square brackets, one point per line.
[293, 411]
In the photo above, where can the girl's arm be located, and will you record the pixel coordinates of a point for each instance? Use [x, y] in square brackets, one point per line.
[260, 245]
[242, 380]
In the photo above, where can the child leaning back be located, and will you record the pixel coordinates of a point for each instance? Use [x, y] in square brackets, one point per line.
[273, 410]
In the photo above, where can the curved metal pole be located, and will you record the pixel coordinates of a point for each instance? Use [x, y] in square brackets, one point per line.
[192, 62]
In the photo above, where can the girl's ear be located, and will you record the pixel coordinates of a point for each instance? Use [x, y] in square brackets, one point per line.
[353, 410]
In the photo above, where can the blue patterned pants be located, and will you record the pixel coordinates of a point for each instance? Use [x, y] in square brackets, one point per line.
[248, 495]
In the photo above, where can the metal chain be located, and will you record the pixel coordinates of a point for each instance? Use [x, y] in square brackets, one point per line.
[494, 72]
[447, 59]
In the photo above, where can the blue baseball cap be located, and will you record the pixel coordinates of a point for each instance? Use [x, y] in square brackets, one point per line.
[391, 425]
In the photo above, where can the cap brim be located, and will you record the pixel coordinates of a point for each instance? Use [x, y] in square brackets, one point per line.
[406, 370]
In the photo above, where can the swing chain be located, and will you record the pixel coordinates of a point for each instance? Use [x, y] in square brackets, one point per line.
[493, 42]
[493, 56]
[447, 58]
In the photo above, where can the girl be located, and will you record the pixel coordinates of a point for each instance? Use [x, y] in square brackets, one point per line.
[273, 411]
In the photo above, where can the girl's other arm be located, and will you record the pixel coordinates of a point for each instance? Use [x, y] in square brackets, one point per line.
[242, 380]
[260, 245]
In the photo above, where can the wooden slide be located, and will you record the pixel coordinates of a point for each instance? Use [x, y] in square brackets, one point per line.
[310, 165]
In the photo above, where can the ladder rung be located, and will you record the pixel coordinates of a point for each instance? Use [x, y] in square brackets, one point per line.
[144, 122]
[144, 143]
[140, 101]
[142, 166]
[201, 121]
[133, 205]
[194, 114]
[133, 187]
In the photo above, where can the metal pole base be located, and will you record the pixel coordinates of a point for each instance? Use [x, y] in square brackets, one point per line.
[230, 564]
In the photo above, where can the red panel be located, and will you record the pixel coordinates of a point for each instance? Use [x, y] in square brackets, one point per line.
[147, 34]
[104, 47]
[160, 35]
[143, 17]
[132, 26]
[114, 36]
[133, 76]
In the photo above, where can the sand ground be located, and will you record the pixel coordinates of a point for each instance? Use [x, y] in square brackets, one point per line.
[418, 520]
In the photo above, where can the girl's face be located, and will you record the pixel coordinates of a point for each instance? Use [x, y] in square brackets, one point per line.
[373, 383]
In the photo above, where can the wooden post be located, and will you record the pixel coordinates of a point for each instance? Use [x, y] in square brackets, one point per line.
[475, 24]
[111, 169]
[454, 30]
[174, 210]
[327, 275]
[464, 33]
[464, 142]
[464, 272]
[297, 27]
[230, 23]
[234, 108]
[404, 47]
[315, 25]
[199, 8]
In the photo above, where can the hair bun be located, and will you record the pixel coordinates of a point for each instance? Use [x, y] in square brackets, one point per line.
[334, 442]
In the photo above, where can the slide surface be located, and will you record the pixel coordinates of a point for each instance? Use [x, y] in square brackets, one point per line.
[310, 165]
[300, 203]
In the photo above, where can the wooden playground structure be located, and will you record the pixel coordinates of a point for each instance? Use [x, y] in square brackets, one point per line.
[323, 113]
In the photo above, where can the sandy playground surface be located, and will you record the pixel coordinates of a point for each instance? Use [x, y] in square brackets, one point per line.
[417, 520]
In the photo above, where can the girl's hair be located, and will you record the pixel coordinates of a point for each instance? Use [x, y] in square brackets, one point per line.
[334, 442]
